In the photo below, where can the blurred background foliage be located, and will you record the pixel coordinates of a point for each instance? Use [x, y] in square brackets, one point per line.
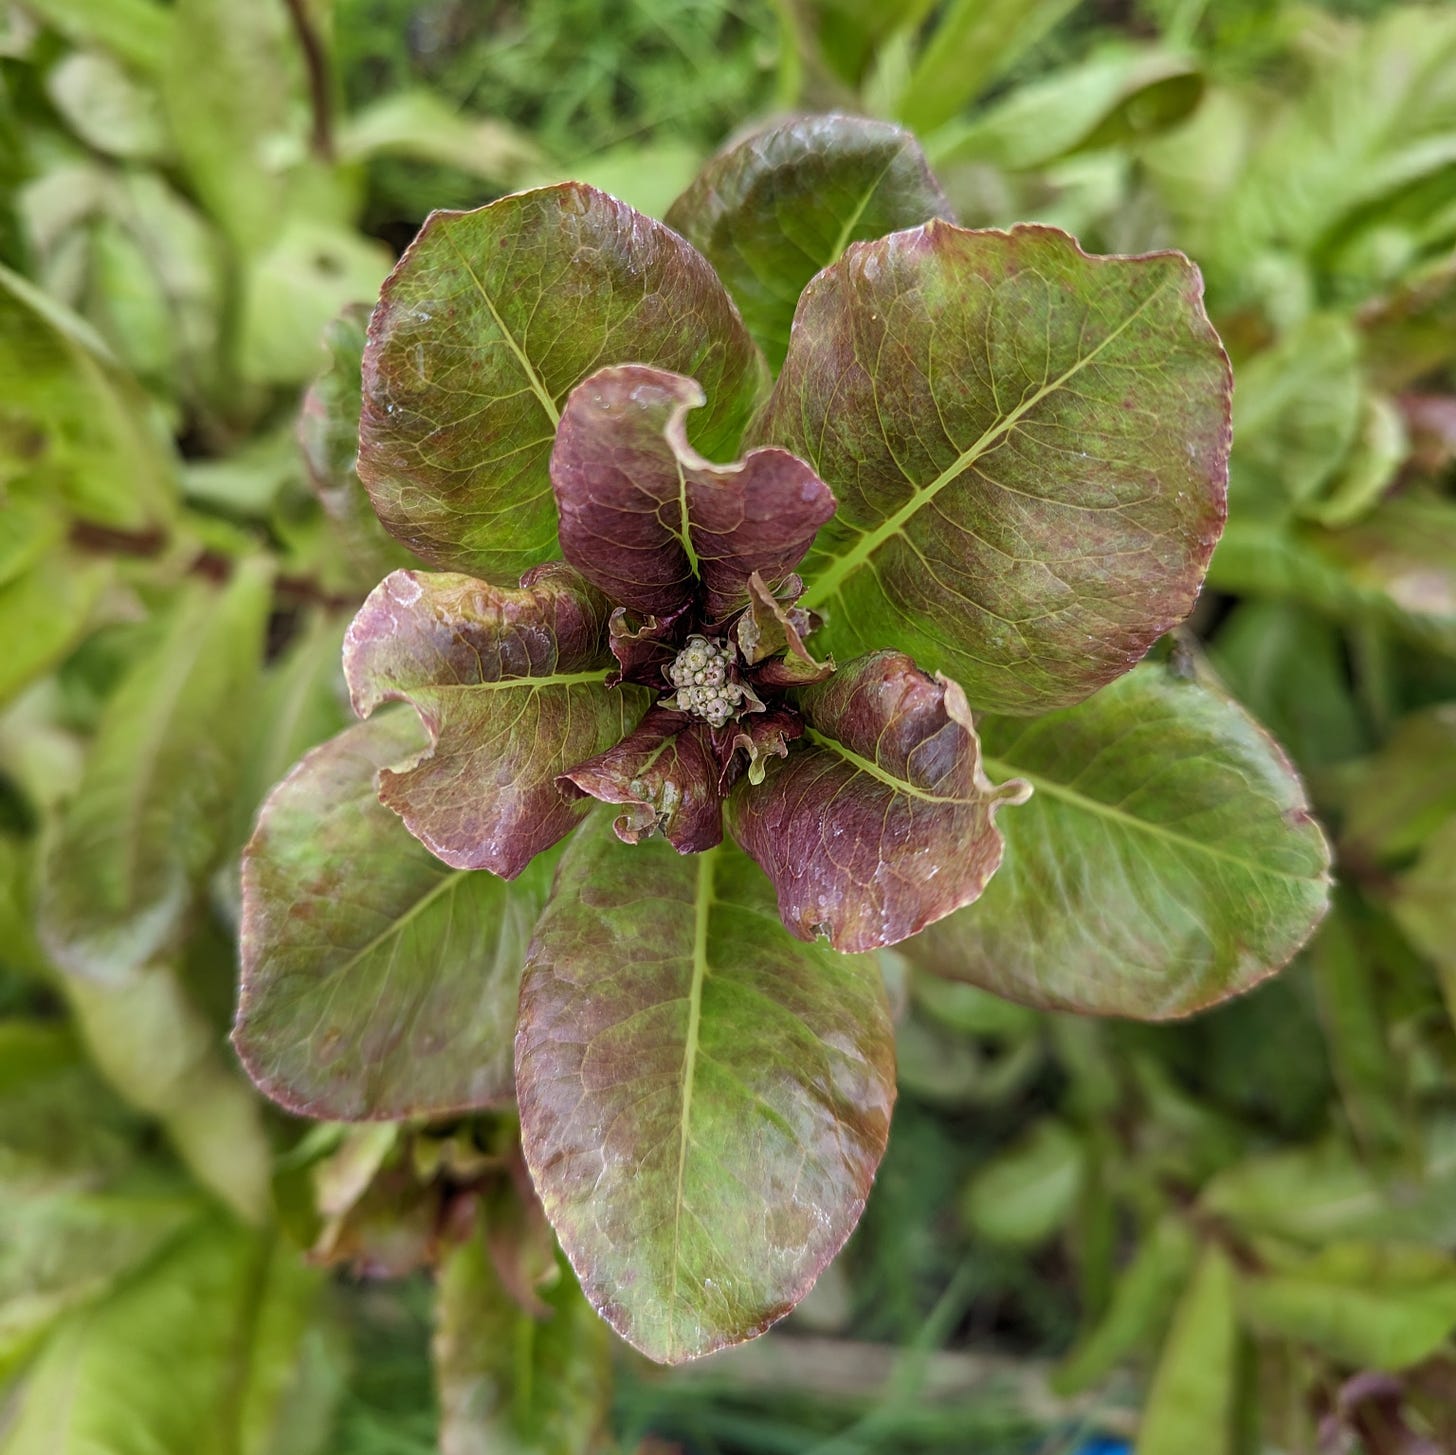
[1227, 1236]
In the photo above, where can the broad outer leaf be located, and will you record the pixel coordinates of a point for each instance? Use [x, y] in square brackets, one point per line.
[151, 813]
[510, 685]
[1029, 447]
[665, 773]
[703, 1100]
[376, 983]
[219, 1344]
[1167, 858]
[882, 821]
[772, 210]
[641, 511]
[490, 320]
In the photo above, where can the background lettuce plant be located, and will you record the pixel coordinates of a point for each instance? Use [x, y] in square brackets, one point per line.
[1001, 464]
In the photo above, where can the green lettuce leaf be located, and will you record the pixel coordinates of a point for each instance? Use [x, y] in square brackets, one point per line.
[703, 1100]
[1167, 858]
[490, 320]
[1029, 447]
[773, 209]
[376, 982]
[152, 812]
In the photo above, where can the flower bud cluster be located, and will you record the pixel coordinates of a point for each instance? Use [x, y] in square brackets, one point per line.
[704, 688]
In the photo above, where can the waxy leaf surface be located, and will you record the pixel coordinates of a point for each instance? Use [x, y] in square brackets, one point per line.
[643, 516]
[1166, 859]
[665, 773]
[881, 821]
[511, 686]
[1029, 447]
[770, 211]
[376, 982]
[703, 1100]
[490, 320]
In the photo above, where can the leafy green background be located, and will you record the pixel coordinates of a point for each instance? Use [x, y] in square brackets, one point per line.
[1215, 1235]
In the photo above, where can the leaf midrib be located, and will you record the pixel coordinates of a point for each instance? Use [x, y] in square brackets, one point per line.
[448, 883]
[866, 765]
[831, 582]
[538, 387]
[1097, 807]
[502, 684]
[702, 908]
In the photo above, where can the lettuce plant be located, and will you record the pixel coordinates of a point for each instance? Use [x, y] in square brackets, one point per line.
[743, 726]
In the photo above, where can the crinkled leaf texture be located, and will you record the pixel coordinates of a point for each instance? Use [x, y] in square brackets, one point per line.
[643, 514]
[376, 982]
[1167, 857]
[881, 821]
[489, 321]
[703, 1100]
[772, 210]
[1029, 447]
[665, 775]
[510, 684]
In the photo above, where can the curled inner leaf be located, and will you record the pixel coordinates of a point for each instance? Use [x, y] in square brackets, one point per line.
[882, 821]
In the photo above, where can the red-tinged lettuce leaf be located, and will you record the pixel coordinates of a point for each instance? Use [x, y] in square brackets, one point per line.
[1029, 447]
[882, 821]
[376, 982]
[1167, 858]
[772, 210]
[643, 647]
[510, 684]
[490, 320]
[760, 736]
[770, 628]
[665, 773]
[703, 1100]
[642, 512]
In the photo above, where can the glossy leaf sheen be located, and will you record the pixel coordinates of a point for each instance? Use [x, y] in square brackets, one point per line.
[490, 320]
[1029, 447]
[376, 983]
[510, 685]
[641, 511]
[882, 821]
[772, 210]
[1166, 860]
[703, 1100]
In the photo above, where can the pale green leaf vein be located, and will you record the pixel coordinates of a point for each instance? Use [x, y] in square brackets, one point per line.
[1099, 809]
